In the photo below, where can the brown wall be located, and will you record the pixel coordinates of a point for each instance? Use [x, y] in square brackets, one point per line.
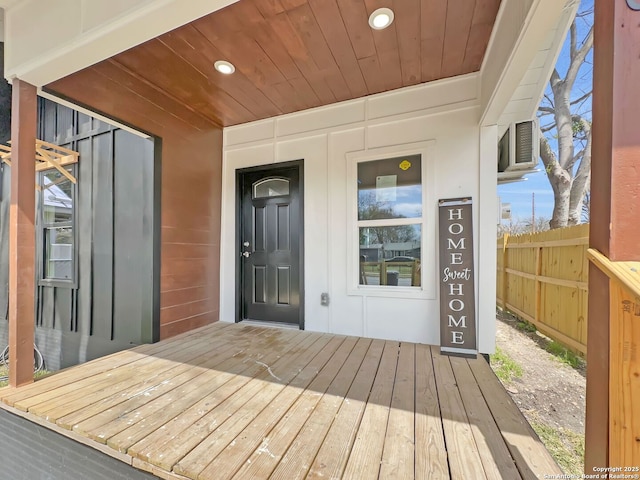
[191, 187]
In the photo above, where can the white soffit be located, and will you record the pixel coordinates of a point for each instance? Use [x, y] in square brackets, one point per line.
[514, 79]
[524, 102]
[87, 32]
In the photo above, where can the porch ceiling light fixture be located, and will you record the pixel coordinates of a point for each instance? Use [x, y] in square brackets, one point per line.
[224, 67]
[381, 18]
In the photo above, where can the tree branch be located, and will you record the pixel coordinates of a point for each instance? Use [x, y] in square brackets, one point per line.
[582, 98]
[573, 34]
[582, 179]
[578, 59]
[555, 78]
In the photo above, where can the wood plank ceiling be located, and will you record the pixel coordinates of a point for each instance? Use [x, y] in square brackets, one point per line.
[291, 55]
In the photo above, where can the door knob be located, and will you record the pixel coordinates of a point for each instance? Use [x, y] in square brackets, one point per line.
[246, 254]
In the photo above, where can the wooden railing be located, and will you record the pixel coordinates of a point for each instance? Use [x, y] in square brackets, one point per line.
[624, 360]
[543, 279]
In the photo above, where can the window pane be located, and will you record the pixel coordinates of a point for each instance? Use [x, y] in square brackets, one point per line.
[390, 255]
[58, 254]
[390, 188]
[57, 191]
[270, 187]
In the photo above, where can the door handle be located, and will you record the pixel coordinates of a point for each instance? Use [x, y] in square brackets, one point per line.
[246, 254]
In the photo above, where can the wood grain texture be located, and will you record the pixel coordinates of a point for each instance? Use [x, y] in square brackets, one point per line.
[291, 55]
[22, 262]
[465, 461]
[518, 435]
[624, 392]
[234, 401]
[191, 171]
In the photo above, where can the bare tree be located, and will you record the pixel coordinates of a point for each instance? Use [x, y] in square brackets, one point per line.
[569, 167]
[586, 207]
[520, 226]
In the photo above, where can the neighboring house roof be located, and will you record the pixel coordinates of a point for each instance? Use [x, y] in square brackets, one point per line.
[54, 196]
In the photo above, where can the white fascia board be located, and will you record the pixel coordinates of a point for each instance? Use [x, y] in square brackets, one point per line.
[81, 48]
[91, 113]
[502, 75]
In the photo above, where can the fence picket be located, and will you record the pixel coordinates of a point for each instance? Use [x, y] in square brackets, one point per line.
[543, 279]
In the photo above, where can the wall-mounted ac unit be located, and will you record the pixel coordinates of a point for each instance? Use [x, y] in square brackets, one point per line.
[519, 147]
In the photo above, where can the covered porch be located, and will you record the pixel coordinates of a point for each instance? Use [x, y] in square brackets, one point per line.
[234, 401]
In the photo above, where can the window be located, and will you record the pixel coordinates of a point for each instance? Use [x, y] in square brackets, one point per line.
[271, 187]
[57, 219]
[390, 209]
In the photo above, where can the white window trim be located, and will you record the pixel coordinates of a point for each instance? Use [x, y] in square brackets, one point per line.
[427, 290]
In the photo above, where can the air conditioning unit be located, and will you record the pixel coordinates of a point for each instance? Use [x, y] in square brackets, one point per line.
[519, 147]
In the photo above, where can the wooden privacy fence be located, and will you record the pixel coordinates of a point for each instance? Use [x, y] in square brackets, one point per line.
[543, 279]
[624, 362]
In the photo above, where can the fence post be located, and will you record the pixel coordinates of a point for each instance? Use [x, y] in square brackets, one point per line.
[505, 241]
[536, 313]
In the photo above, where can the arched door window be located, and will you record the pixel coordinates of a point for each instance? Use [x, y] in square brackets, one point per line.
[270, 187]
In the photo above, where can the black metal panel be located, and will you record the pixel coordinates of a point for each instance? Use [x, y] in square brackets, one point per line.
[32, 452]
[84, 222]
[114, 302]
[102, 235]
[132, 187]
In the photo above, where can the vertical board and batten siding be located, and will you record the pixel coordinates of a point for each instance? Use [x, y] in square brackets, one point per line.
[111, 306]
[441, 119]
[191, 164]
[30, 451]
[543, 278]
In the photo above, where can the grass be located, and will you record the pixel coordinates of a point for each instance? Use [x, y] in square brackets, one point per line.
[505, 367]
[4, 372]
[525, 326]
[565, 446]
[563, 355]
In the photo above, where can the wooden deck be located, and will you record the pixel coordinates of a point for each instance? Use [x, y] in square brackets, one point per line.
[233, 401]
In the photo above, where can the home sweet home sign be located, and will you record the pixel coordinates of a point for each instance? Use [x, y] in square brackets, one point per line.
[457, 288]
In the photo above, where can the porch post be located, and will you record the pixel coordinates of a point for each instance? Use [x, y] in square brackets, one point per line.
[615, 196]
[22, 234]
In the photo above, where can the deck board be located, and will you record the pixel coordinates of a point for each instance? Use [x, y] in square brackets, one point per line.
[432, 463]
[366, 454]
[123, 416]
[495, 456]
[326, 391]
[398, 457]
[464, 458]
[232, 401]
[328, 434]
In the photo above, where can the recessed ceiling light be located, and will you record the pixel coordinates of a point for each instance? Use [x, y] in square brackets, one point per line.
[381, 18]
[224, 67]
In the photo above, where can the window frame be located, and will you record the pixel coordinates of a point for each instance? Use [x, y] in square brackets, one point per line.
[270, 179]
[43, 226]
[427, 222]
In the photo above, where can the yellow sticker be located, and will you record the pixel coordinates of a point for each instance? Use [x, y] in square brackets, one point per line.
[405, 165]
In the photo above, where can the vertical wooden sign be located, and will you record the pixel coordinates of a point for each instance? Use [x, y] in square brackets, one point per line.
[457, 288]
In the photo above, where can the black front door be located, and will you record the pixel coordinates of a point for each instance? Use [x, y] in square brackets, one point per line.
[270, 244]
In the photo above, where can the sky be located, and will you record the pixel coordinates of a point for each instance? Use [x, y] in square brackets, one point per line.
[520, 194]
